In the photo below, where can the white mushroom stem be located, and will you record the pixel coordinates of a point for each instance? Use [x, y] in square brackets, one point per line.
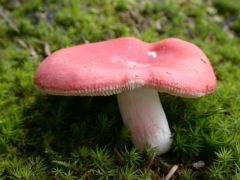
[143, 114]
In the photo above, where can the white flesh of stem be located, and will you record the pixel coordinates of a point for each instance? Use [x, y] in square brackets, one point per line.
[143, 114]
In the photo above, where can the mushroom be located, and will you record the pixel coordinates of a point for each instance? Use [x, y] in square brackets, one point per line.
[136, 71]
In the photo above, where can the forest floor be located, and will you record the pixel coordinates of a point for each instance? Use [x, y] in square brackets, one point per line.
[54, 137]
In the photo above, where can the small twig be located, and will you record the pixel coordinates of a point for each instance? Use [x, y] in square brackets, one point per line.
[119, 156]
[22, 43]
[10, 21]
[32, 51]
[47, 48]
[171, 172]
[150, 162]
[29, 47]
[135, 16]
[199, 164]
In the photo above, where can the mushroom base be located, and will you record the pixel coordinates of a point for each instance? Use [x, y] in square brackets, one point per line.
[143, 114]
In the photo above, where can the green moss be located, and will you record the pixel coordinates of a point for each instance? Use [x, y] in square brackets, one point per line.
[49, 137]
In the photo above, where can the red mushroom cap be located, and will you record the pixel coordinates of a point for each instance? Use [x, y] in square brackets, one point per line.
[110, 67]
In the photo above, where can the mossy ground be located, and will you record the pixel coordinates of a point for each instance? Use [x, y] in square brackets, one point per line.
[50, 137]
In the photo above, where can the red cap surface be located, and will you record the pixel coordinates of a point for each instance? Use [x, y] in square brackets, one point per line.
[110, 67]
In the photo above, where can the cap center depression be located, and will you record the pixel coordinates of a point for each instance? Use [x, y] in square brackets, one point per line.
[135, 63]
